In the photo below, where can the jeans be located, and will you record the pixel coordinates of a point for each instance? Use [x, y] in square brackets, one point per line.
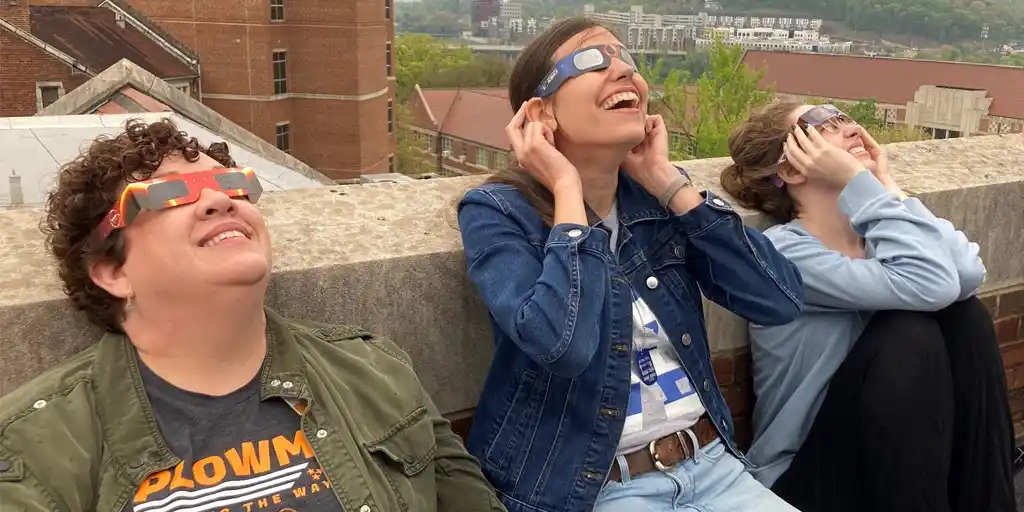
[713, 480]
[915, 420]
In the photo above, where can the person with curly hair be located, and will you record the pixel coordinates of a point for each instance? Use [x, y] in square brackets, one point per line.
[198, 396]
[887, 393]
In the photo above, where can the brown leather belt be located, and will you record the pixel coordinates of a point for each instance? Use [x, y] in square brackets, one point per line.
[662, 454]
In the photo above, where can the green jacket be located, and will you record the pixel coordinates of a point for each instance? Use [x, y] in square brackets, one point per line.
[82, 436]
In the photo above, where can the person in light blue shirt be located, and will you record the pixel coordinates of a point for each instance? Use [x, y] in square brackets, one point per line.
[887, 393]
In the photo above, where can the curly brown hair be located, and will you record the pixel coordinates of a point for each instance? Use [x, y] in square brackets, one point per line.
[86, 189]
[756, 147]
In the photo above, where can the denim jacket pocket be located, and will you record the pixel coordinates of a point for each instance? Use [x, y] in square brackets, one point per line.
[405, 455]
[668, 261]
[523, 415]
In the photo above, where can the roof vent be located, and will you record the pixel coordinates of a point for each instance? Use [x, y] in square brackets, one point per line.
[118, 18]
[17, 194]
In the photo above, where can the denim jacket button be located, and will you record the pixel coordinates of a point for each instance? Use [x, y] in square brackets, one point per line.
[652, 282]
[573, 233]
[364, 508]
[686, 340]
[678, 251]
[719, 203]
[707, 385]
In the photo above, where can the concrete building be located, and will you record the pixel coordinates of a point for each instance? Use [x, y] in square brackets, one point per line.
[947, 99]
[46, 51]
[318, 73]
[772, 39]
[463, 129]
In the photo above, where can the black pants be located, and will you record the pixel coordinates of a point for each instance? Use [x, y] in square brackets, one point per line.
[916, 419]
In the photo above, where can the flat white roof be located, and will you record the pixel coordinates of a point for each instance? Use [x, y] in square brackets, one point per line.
[35, 147]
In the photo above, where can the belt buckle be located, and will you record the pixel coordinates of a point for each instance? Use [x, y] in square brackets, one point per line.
[657, 460]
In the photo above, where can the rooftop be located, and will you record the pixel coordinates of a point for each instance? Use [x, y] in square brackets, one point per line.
[892, 80]
[476, 115]
[97, 38]
[35, 147]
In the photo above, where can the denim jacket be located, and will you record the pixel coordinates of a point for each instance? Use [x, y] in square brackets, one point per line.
[553, 405]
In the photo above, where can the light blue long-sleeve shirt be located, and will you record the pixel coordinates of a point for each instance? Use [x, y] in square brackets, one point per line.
[913, 261]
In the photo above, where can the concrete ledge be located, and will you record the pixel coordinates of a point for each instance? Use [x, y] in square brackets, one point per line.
[387, 257]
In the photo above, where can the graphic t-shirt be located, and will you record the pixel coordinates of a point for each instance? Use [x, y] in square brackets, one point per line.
[670, 403]
[238, 455]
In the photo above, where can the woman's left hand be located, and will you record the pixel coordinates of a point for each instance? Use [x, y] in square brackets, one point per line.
[881, 159]
[648, 163]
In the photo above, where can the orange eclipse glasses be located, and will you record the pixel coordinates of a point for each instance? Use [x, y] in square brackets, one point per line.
[177, 190]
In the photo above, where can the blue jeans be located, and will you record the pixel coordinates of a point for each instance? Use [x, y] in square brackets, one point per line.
[712, 481]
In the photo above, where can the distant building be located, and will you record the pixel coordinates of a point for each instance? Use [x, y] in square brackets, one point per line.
[480, 15]
[463, 130]
[946, 99]
[772, 39]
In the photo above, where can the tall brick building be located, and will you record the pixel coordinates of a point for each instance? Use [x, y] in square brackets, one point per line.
[311, 76]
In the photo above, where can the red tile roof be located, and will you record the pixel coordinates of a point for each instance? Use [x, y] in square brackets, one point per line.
[92, 36]
[886, 80]
[475, 115]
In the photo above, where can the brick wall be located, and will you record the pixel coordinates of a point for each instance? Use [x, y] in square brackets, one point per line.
[21, 66]
[335, 52]
[1007, 308]
[733, 369]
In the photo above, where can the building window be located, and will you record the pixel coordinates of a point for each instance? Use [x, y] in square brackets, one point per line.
[446, 145]
[391, 117]
[47, 93]
[500, 161]
[284, 137]
[276, 10]
[431, 143]
[387, 58]
[391, 163]
[280, 72]
[387, 9]
[481, 157]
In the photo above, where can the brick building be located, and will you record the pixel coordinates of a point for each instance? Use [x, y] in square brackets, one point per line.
[47, 51]
[946, 99]
[463, 128]
[314, 77]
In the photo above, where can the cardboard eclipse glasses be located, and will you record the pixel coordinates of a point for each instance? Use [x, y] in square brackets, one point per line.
[585, 60]
[177, 190]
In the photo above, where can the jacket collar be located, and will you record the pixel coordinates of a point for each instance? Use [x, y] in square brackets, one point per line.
[130, 430]
[635, 204]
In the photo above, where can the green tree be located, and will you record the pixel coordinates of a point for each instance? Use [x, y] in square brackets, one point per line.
[418, 56]
[723, 97]
[411, 156]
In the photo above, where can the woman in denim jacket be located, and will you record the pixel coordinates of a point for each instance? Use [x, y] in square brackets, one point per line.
[591, 259]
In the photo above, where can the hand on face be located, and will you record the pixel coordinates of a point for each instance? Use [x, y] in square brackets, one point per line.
[877, 154]
[650, 157]
[810, 154]
[534, 146]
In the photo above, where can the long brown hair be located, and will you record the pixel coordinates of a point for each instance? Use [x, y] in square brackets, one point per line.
[756, 147]
[533, 64]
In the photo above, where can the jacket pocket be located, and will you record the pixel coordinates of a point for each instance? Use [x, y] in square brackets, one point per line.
[507, 449]
[405, 455]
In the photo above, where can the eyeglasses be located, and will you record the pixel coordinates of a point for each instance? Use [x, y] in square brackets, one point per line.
[825, 117]
[585, 60]
[822, 118]
[177, 190]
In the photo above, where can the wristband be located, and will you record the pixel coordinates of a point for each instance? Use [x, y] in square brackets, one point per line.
[682, 181]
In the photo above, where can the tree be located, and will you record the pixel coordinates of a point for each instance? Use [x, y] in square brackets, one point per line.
[724, 96]
[418, 56]
[411, 156]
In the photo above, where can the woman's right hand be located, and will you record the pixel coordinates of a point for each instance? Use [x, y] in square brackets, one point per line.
[534, 146]
[812, 155]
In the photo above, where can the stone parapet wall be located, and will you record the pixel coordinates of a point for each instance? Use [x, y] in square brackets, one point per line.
[388, 257]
